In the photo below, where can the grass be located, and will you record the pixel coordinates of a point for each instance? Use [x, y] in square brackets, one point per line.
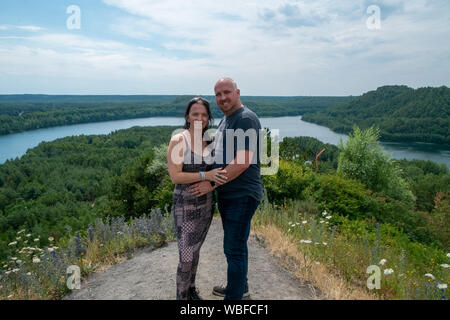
[41, 274]
[334, 253]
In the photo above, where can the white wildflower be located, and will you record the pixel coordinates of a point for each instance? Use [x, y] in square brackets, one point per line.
[388, 271]
[448, 255]
[50, 249]
[29, 274]
[445, 265]
[324, 243]
[15, 270]
[51, 239]
[28, 235]
[21, 231]
[382, 262]
[328, 217]
[321, 221]
[12, 243]
[10, 296]
[19, 261]
[36, 240]
[36, 260]
[14, 258]
[324, 213]
[18, 238]
[7, 272]
[429, 275]
[304, 222]
[305, 241]
[442, 286]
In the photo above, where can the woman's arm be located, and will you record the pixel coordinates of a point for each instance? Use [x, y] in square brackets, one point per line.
[175, 158]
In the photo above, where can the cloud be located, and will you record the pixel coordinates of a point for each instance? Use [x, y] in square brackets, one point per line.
[281, 47]
[26, 28]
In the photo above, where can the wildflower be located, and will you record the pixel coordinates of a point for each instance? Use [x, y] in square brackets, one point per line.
[328, 217]
[429, 275]
[29, 274]
[305, 241]
[388, 271]
[28, 235]
[50, 249]
[36, 260]
[321, 221]
[51, 239]
[10, 296]
[14, 258]
[18, 238]
[19, 261]
[316, 262]
[324, 243]
[7, 272]
[324, 213]
[382, 262]
[442, 286]
[304, 222]
[448, 255]
[36, 240]
[12, 243]
[15, 270]
[19, 232]
[445, 265]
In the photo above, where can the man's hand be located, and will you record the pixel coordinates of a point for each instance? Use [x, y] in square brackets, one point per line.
[200, 188]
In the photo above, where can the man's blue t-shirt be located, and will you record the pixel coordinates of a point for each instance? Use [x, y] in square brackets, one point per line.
[249, 182]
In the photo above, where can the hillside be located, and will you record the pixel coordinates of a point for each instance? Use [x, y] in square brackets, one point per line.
[29, 112]
[402, 114]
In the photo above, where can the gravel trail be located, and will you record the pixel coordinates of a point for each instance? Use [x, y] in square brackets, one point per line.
[150, 274]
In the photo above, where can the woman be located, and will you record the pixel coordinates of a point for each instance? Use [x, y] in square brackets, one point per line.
[192, 215]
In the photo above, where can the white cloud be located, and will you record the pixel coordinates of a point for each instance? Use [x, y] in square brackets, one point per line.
[311, 47]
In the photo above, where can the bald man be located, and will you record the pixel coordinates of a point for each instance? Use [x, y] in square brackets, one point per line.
[239, 198]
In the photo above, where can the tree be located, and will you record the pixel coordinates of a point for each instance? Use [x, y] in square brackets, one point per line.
[362, 158]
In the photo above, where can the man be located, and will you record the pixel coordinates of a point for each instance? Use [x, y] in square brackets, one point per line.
[240, 196]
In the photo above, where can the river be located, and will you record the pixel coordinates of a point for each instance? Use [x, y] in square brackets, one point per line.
[16, 145]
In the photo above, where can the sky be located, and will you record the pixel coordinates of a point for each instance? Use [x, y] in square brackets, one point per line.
[269, 47]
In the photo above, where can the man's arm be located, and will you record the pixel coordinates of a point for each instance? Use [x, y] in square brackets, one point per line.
[234, 170]
[239, 164]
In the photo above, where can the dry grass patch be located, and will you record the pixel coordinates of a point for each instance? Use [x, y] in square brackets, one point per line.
[322, 277]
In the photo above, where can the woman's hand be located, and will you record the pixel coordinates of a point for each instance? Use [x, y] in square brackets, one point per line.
[219, 176]
[200, 188]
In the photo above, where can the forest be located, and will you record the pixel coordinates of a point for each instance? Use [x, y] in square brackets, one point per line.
[59, 190]
[28, 112]
[403, 114]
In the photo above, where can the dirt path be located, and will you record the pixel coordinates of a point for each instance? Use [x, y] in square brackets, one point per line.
[151, 275]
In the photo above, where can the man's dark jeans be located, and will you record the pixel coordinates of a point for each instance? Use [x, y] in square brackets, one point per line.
[236, 216]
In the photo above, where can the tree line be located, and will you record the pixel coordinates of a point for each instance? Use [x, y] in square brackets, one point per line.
[29, 112]
[401, 113]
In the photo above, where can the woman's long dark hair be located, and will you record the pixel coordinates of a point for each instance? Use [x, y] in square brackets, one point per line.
[208, 110]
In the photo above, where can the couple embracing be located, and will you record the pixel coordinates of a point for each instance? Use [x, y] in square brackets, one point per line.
[233, 172]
